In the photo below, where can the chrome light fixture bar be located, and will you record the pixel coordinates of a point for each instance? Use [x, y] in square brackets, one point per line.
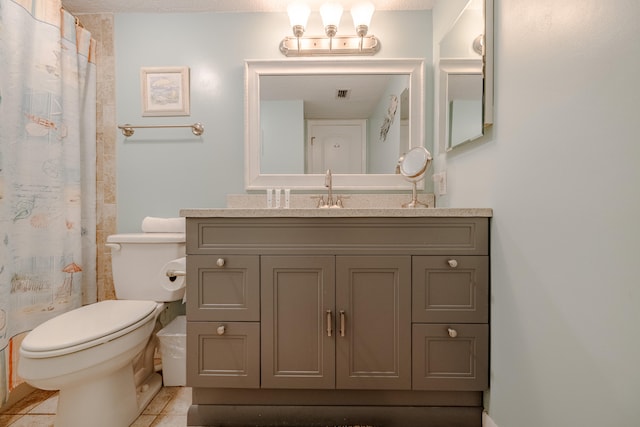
[323, 46]
[331, 12]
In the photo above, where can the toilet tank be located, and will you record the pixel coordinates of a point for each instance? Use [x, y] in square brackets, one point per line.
[139, 262]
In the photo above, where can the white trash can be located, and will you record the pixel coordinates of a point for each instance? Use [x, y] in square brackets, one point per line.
[173, 350]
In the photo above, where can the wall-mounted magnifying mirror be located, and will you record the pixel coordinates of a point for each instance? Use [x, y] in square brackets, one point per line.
[413, 167]
[466, 75]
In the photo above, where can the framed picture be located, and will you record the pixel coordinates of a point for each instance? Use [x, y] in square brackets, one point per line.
[165, 91]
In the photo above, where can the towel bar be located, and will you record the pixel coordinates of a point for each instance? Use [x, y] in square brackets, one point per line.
[128, 130]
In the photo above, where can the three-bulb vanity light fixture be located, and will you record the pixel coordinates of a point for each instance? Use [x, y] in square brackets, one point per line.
[331, 44]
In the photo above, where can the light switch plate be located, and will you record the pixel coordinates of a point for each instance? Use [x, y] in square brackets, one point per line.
[440, 181]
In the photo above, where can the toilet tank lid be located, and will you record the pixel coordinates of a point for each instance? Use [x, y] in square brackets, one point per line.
[147, 238]
[85, 324]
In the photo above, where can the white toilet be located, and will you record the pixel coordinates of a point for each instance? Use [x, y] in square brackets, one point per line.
[100, 356]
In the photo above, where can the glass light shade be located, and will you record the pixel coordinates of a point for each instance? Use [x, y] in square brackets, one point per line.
[331, 13]
[298, 13]
[361, 13]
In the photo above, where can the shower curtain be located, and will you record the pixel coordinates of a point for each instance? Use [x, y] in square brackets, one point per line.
[47, 171]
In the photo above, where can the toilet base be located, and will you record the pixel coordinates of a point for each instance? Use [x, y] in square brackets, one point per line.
[147, 391]
[111, 401]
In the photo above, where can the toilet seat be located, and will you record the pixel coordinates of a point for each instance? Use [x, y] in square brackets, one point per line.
[86, 327]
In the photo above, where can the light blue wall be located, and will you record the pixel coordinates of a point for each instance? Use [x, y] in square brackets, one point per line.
[162, 171]
[560, 169]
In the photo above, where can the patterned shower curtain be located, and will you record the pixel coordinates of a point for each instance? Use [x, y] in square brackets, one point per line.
[47, 171]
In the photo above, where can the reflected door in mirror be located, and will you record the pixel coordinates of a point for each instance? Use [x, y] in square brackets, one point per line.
[339, 145]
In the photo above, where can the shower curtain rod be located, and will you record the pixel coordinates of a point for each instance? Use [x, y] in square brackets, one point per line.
[128, 130]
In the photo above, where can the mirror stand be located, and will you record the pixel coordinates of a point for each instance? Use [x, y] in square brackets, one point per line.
[414, 203]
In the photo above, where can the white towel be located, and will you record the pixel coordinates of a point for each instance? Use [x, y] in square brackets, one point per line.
[163, 225]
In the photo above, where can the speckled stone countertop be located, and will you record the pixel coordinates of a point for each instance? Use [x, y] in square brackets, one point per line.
[335, 213]
[356, 205]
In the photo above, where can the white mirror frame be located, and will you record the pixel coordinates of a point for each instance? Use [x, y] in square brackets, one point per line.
[467, 66]
[255, 180]
[488, 63]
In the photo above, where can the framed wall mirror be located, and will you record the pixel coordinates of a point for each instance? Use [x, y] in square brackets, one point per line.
[466, 76]
[353, 116]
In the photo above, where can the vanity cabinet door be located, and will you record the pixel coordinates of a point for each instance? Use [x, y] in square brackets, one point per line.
[223, 354]
[450, 356]
[451, 289]
[298, 331]
[223, 287]
[373, 309]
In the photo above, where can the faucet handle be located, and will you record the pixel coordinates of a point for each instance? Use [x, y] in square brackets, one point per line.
[321, 203]
[340, 200]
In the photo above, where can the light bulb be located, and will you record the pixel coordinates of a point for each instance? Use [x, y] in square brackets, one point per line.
[298, 16]
[361, 13]
[331, 13]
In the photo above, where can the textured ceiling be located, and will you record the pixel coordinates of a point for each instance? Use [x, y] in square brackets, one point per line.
[118, 6]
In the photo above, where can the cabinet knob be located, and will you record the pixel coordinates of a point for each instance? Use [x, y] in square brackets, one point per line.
[221, 330]
[453, 263]
[452, 332]
[220, 262]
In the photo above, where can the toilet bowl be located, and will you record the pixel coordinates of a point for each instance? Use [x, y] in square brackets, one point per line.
[100, 356]
[88, 357]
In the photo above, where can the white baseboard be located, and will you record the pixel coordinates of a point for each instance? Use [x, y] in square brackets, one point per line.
[487, 421]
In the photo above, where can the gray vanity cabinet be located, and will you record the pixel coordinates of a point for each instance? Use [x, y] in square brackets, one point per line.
[336, 322]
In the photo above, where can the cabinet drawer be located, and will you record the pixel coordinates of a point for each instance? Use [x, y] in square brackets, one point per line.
[338, 236]
[450, 289]
[226, 292]
[450, 357]
[223, 354]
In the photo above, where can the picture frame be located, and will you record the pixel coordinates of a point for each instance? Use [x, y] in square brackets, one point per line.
[165, 91]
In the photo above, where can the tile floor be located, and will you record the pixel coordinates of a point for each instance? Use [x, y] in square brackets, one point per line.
[167, 409]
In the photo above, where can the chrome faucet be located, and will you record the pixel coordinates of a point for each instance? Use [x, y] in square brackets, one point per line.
[328, 182]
